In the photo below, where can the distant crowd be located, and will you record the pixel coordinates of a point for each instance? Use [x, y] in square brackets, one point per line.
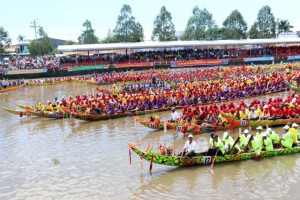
[27, 62]
[179, 54]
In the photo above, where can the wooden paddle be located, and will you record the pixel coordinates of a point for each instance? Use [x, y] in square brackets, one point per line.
[213, 162]
[237, 140]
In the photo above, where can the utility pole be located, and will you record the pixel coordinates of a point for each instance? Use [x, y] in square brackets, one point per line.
[34, 25]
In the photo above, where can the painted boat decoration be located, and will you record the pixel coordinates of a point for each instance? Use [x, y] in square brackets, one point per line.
[202, 159]
[17, 112]
[293, 87]
[48, 114]
[256, 123]
[103, 90]
[45, 84]
[198, 129]
[154, 125]
[11, 88]
[25, 106]
[89, 117]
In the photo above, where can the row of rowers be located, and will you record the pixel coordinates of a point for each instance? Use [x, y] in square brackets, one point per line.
[263, 141]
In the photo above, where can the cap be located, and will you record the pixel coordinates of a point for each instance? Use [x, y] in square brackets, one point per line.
[212, 134]
[225, 135]
[269, 130]
[286, 127]
[259, 128]
[246, 131]
[215, 136]
[173, 109]
[294, 125]
[190, 136]
[264, 134]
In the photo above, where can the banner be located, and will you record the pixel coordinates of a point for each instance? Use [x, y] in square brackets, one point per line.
[26, 71]
[199, 62]
[296, 57]
[259, 59]
[90, 67]
[128, 65]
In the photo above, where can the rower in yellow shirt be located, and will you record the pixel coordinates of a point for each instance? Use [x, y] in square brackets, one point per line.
[49, 107]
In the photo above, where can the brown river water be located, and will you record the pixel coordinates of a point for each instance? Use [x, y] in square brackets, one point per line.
[94, 162]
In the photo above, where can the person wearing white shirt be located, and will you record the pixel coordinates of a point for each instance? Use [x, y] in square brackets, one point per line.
[189, 147]
[253, 115]
[175, 116]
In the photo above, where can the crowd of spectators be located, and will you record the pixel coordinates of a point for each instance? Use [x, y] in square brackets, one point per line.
[27, 62]
[181, 54]
[51, 62]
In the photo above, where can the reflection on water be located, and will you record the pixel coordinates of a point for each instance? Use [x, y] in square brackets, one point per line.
[94, 160]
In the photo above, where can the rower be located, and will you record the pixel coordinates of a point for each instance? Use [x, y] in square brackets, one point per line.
[243, 139]
[175, 116]
[253, 145]
[274, 137]
[253, 115]
[49, 106]
[229, 149]
[294, 131]
[266, 142]
[218, 146]
[259, 133]
[189, 148]
[287, 138]
[227, 138]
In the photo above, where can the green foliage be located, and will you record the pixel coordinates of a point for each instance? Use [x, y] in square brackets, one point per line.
[88, 35]
[265, 25]
[234, 27]
[37, 48]
[284, 26]
[21, 38]
[70, 42]
[201, 26]
[164, 29]
[127, 29]
[110, 38]
[42, 32]
[4, 39]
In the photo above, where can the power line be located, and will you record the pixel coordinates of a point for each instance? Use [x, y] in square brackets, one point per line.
[34, 25]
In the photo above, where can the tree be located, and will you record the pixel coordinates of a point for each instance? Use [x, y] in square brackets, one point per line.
[110, 38]
[42, 32]
[4, 40]
[88, 35]
[37, 48]
[200, 26]
[70, 42]
[21, 38]
[234, 27]
[284, 26]
[164, 29]
[127, 29]
[265, 24]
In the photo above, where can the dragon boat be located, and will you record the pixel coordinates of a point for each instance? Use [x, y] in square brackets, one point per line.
[203, 159]
[155, 125]
[256, 123]
[11, 88]
[16, 112]
[48, 114]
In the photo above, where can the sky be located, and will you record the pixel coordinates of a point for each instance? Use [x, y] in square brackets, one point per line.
[63, 19]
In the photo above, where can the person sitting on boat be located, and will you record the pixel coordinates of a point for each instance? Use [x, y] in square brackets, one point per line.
[175, 116]
[243, 139]
[189, 148]
[49, 107]
[266, 115]
[218, 147]
[227, 138]
[59, 107]
[259, 133]
[55, 102]
[252, 145]
[253, 115]
[210, 119]
[274, 137]
[293, 130]
[267, 144]
[242, 114]
[287, 138]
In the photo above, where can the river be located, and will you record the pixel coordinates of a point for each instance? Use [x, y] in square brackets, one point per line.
[94, 162]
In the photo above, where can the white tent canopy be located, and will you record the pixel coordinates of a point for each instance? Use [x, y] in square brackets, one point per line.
[174, 44]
